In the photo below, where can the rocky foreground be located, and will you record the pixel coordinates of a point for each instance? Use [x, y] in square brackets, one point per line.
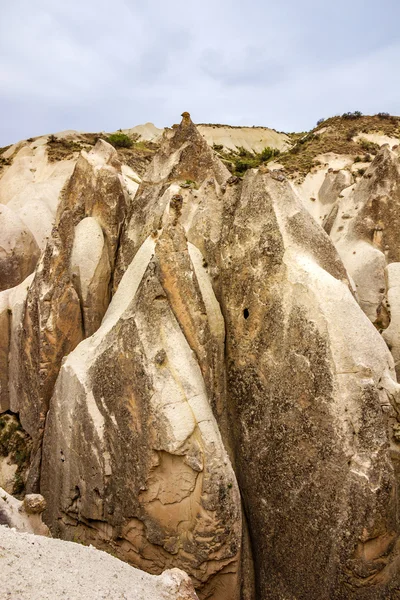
[198, 370]
[38, 568]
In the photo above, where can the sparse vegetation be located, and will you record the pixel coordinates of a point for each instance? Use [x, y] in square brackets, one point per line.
[340, 137]
[4, 148]
[189, 183]
[138, 155]
[368, 146]
[61, 148]
[240, 161]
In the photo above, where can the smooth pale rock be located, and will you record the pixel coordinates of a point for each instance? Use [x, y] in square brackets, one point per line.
[90, 271]
[233, 348]
[332, 186]
[8, 471]
[16, 305]
[19, 515]
[253, 139]
[307, 375]
[131, 179]
[18, 249]
[183, 156]
[147, 132]
[391, 335]
[365, 230]
[64, 569]
[31, 174]
[37, 217]
[378, 138]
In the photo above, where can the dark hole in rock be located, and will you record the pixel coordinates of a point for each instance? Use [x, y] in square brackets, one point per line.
[246, 313]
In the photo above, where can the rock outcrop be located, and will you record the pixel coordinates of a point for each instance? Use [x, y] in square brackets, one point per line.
[24, 516]
[193, 366]
[136, 397]
[308, 381]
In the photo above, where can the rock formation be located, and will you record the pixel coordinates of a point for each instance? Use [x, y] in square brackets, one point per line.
[192, 371]
[24, 516]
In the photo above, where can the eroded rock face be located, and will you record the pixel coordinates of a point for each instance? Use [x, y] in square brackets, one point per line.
[157, 483]
[308, 376]
[56, 318]
[199, 346]
[365, 230]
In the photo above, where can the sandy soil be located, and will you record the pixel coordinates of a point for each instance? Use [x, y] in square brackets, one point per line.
[38, 568]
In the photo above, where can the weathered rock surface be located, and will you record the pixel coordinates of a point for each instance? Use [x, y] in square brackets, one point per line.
[136, 400]
[39, 568]
[308, 377]
[365, 230]
[56, 313]
[203, 390]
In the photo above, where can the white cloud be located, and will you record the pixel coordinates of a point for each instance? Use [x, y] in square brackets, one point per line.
[101, 65]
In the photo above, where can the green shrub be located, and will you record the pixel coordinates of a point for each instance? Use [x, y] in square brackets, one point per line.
[241, 166]
[243, 152]
[352, 115]
[120, 140]
[369, 147]
[269, 153]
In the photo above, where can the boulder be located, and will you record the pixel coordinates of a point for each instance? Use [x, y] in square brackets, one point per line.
[23, 516]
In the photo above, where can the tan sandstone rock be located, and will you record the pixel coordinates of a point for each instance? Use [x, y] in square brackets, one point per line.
[56, 318]
[136, 398]
[308, 380]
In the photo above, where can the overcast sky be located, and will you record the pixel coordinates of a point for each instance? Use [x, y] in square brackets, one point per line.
[96, 65]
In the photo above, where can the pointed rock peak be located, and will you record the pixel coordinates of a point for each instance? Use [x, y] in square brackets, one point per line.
[187, 131]
[185, 155]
